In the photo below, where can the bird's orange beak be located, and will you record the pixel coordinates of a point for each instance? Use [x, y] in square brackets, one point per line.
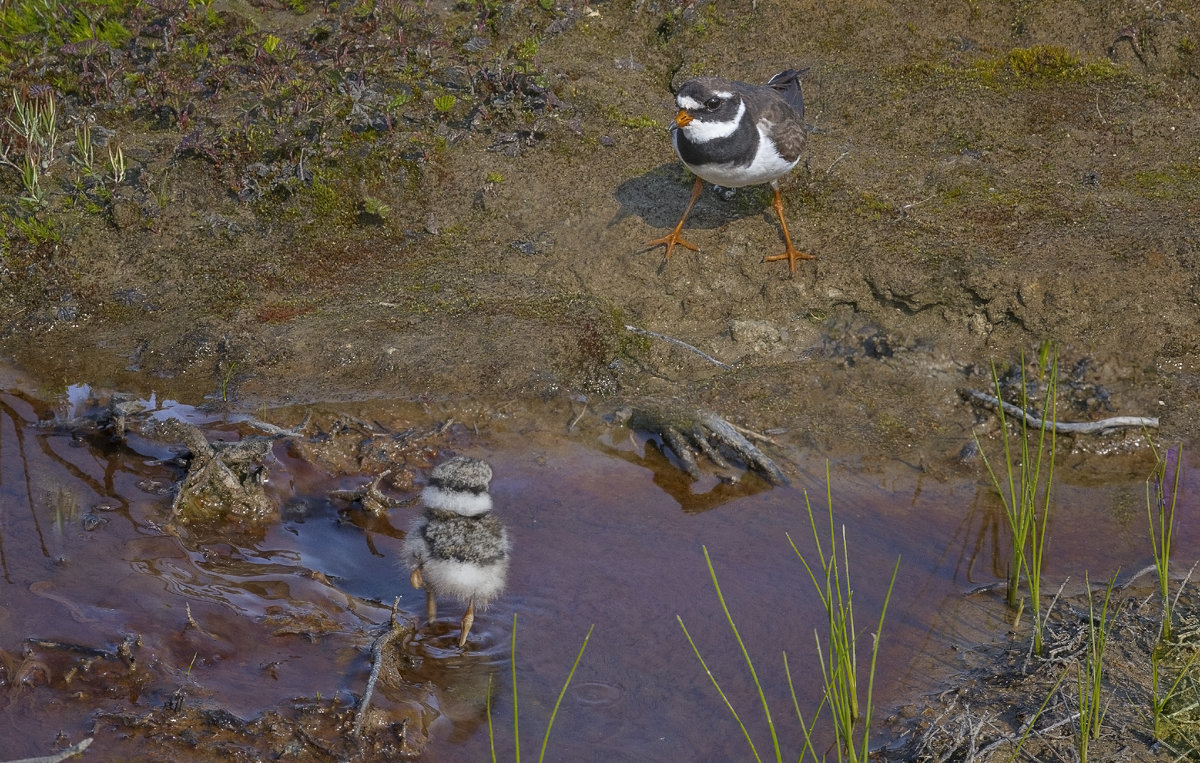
[683, 119]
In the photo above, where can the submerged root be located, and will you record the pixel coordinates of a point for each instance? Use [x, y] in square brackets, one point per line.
[697, 432]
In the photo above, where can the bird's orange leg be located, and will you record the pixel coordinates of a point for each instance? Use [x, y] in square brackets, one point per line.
[791, 254]
[673, 238]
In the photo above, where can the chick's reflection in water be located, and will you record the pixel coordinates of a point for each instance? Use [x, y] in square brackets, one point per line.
[458, 547]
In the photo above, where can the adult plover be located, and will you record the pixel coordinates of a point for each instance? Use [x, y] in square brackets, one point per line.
[733, 134]
[458, 547]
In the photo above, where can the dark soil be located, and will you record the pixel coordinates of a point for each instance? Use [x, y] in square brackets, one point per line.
[449, 201]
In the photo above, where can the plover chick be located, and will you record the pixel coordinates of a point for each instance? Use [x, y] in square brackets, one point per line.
[458, 547]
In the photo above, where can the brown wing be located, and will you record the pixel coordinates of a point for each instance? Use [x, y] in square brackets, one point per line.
[788, 132]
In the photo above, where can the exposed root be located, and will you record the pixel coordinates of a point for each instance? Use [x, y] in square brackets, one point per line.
[1079, 427]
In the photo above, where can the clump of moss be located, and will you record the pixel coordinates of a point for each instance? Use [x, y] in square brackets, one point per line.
[1051, 62]
[1178, 181]
[1020, 67]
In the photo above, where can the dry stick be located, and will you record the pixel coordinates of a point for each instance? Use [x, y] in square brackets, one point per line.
[278, 431]
[385, 638]
[1079, 427]
[1186, 578]
[754, 435]
[842, 156]
[69, 752]
[574, 421]
[679, 343]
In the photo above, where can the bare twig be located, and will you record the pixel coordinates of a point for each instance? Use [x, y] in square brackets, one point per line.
[750, 433]
[1075, 427]
[679, 343]
[574, 421]
[842, 156]
[1186, 578]
[70, 752]
[278, 431]
[370, 496]
[394, 631]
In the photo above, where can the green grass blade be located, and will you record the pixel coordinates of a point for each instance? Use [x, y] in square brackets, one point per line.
[513, 663]
[745, 654]
[1030, 723]
[491, 732]
[557, 702]
[874, 654]
[805, 728]
[720, 691]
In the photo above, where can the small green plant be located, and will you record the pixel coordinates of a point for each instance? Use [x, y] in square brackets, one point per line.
[516, 719]
[116, 165]
[35, 230]
[839, 660]
[33, 126]
[444, 103]
[840, 674]
[1091, 671]
[1026, 499]
[1160, 510]
[525, 50]
[375, 208]
[31, 181]
[494, 177]
[270, 44]
[1159, 702]
[35, 119]
[85, 153]
[226, 377]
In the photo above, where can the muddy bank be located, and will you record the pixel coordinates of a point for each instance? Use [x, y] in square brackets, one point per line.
[979, 181]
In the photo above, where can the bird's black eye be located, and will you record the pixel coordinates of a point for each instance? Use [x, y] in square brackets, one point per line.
[712, 103]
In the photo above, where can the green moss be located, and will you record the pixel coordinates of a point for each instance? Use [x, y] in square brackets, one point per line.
[1018, 68]
[1178, 181]
[874, 207]
[34, 229]
[634, 122]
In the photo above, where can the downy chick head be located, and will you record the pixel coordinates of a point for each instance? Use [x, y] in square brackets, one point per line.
[460, 485]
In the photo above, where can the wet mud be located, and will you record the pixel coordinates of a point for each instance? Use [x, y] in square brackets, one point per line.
[236, 639]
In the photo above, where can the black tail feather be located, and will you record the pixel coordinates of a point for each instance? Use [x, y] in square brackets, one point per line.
[787, 83]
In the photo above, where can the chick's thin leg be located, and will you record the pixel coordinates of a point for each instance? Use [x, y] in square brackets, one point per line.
[467, 619]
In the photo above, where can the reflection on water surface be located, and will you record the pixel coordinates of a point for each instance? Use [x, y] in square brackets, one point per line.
[111, 612]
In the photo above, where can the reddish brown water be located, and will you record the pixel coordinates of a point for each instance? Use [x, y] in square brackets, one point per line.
[604, 533]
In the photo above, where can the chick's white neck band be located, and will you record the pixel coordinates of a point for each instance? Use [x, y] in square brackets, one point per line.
[460, 502]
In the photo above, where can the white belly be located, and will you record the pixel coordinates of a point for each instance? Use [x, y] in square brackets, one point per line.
[768, 165]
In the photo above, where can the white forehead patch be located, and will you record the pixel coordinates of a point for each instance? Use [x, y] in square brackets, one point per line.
[688, 102]
[700, 131]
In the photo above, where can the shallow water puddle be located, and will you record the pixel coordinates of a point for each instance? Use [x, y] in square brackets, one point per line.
[110, 614]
